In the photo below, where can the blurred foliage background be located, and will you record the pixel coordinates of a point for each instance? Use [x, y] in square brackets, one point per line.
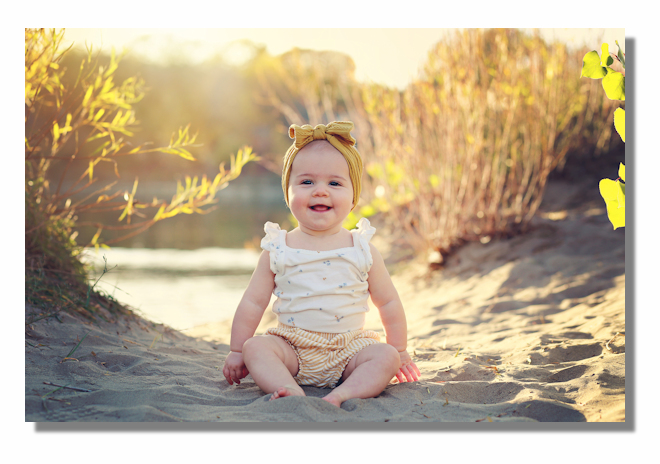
[463, 153]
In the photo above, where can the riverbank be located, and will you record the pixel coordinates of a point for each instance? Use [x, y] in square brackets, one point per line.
[520, 330]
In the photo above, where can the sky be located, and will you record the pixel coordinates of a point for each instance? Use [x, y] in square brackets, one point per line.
[390, 56]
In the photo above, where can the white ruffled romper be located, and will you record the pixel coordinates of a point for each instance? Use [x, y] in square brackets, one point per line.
[321, 302]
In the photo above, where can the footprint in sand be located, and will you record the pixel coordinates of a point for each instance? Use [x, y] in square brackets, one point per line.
[568, 353]
[570, 373]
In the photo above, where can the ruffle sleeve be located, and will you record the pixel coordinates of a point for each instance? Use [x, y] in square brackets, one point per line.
[272, 242]
[364, 231]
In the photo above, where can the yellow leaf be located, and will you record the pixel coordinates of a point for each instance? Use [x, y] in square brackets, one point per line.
[169, 214]
[124, 213]
[126, 119]
[604, 54]
[160, 212]
[622, 171]
[203, 188]
[129, 203]
[107, 86]
[88, 95]
[216, 181]
[117, 118]
[620, 122]
[612, 193]
[113, 64]
[96, 237]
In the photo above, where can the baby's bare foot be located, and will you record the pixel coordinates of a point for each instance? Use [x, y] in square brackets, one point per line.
[286, 391]
[330, 398]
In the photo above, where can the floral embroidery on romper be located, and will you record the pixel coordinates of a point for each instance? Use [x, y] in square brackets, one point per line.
[298, 298]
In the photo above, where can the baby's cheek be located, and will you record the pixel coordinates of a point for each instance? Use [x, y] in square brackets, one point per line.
[298, 204]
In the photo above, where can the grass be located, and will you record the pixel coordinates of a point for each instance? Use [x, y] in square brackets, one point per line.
[45, 397]
[50, 293]
[56, 280]
[68, 356]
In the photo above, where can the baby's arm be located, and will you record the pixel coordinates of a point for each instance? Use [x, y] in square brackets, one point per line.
[247, 317]
[386, 298]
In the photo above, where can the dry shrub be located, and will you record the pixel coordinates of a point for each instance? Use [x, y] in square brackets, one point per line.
[83, 126]
[464, 152]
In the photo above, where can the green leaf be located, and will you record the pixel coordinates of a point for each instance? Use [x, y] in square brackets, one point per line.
[620, 122]
[620, 54]
[614, 194]
[591, 66]
[615, 86]
[621, 197]
[622, 171]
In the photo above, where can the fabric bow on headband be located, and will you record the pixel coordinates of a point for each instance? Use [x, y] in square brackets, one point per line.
[302, 135]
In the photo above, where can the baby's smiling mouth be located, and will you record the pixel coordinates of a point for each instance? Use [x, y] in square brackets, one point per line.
[320, 208]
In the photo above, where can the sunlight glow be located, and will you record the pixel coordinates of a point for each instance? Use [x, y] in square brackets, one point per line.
[386, 56]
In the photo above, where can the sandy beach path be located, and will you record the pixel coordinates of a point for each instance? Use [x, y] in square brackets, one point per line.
[526, 329]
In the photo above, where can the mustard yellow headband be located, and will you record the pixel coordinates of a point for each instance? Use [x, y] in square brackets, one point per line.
[338, 133]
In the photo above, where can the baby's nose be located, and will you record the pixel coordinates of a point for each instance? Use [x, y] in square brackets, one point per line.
[320, 191]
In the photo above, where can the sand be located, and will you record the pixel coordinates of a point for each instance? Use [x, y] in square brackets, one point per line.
[526, 329]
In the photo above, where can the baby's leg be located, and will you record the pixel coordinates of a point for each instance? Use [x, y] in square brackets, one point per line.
[272, 363]
[367, 374]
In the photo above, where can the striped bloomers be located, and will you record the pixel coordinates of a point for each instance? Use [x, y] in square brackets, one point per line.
[322, 357]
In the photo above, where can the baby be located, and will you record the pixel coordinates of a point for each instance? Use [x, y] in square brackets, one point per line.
[322, 275]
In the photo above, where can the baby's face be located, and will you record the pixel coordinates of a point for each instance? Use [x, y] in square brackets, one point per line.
[320, 189]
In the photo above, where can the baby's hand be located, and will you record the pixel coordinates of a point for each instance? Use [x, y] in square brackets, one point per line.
[234, 368]
[408, 371]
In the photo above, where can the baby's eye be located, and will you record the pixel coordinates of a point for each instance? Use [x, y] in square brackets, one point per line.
[335, 184]
[306, 182]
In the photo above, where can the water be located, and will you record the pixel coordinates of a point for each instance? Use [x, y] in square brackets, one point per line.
[190, 269]
[180, 288]
[237, 219]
